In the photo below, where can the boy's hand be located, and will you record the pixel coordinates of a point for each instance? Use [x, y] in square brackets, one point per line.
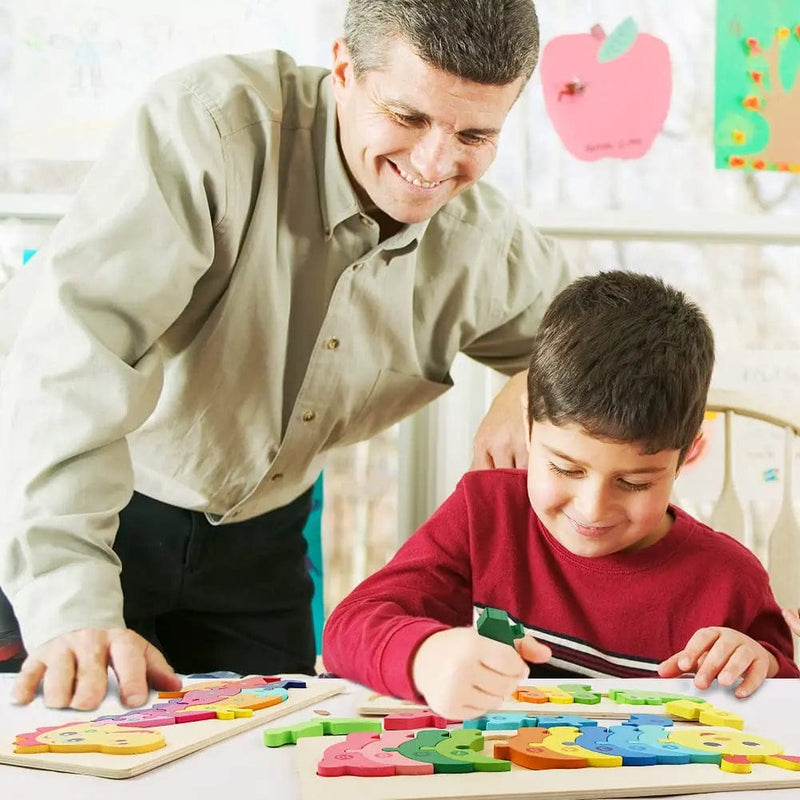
[462, 674]
[73, 669]
[726, 655]
[792, 620]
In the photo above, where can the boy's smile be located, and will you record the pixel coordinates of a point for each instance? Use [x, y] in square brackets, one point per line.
[598, 497]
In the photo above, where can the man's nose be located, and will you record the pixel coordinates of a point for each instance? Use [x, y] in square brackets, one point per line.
[432, 156]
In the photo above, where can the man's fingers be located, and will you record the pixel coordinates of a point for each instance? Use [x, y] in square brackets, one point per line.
[91, 676]
[30, 676]
[59, 680]
[481, 459]
[160, 674]
[126, 653]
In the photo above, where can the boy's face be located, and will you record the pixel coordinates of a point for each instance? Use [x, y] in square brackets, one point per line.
[598, 497]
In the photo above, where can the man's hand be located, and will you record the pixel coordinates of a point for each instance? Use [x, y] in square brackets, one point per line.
[725, 654]
[501, 439]
[73, 669]
[792, 618]
[462, 674]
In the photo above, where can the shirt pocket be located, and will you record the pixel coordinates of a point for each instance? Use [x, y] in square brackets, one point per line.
[393, 395]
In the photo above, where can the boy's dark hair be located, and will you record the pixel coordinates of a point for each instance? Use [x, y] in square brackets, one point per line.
[627, 358]
[484, 41]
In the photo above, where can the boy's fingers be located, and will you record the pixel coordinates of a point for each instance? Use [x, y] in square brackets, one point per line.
[669, 667]
[753, 678]
[532, 650]
[700, 643]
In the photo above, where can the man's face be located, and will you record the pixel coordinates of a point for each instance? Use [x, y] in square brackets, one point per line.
[597, 497]
[412, 135]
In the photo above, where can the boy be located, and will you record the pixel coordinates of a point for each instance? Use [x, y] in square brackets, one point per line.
[609, 578]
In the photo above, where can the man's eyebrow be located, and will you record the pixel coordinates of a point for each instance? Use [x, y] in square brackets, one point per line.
[571, 460]
[406, 110]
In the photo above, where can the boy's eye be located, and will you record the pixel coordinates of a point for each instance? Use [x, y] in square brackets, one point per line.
[567, 473]
[634, 487]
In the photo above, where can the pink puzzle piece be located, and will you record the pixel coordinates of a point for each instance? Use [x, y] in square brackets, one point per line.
[346, 758]
[375, 751]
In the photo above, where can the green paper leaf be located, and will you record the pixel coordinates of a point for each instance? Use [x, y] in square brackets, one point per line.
[619, 41]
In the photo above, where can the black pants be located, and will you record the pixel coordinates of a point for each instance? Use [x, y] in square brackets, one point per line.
[229, 597]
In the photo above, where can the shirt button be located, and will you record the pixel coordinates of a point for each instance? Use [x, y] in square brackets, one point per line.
[332, 343]
[365, 219]
[277, 476]
[308, 416]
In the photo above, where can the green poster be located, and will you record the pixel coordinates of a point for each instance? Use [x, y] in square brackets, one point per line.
[757, 109]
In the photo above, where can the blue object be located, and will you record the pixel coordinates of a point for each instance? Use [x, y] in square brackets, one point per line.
[27, 255]
[313, 536]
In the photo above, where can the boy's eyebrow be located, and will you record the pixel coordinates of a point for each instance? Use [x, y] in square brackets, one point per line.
[639, 471]
[406, 110]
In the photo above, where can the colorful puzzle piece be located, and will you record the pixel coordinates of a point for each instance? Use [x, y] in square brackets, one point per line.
[558, 747]
[275, 737]
[130, 732]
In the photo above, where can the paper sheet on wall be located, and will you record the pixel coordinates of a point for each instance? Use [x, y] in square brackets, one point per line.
[607, 96]
[757, 105]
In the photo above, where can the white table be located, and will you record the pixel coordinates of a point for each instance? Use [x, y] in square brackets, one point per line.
[242, 767]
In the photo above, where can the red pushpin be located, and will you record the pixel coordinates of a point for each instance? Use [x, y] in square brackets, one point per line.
[574, 88]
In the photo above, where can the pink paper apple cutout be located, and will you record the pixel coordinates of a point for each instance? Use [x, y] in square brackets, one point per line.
[608, 97]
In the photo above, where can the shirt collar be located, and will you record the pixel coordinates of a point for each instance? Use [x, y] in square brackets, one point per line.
[337, 198]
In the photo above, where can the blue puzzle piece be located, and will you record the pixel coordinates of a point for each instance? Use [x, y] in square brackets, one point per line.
[598, 739]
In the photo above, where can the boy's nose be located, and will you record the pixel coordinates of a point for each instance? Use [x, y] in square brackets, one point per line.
[593, 505]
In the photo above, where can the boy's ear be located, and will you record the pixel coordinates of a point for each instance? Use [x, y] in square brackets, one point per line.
[695, 448]
[523, 401]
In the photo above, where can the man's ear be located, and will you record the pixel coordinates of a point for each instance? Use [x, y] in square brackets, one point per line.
[342, 71]
[523, 401]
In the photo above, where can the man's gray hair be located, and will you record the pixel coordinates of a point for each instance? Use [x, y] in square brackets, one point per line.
[485, 41]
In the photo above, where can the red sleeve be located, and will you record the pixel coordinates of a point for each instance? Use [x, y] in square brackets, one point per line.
[373, 634]
[770, 630]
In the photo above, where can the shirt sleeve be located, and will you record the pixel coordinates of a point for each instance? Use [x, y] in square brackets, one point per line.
[85, 370]
[535, 270]
[372, 635]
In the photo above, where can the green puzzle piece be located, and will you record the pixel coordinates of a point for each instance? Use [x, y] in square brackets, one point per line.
[494, 624]
[275, 737]
[653, 698]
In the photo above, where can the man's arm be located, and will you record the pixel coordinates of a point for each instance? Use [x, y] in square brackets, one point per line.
[83, 372]
[502, 437]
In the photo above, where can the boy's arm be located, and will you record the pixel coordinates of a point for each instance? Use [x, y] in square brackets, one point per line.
[371, 637]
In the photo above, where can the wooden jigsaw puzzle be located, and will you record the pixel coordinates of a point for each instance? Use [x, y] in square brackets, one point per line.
[678, 744]
[129, 743]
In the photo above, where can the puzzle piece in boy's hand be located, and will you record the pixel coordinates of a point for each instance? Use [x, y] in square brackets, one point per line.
[493, 623]
[512, 720]
[89, 737]
[275, 737]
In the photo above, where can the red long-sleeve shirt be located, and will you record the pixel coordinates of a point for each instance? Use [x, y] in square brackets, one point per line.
[617, 615]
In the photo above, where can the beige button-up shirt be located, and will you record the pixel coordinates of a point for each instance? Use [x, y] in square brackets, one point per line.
[215, 312]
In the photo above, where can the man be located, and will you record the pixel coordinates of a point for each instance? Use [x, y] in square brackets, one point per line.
[269, 261]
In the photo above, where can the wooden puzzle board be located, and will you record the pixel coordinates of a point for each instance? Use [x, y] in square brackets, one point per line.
[381, 705]
[181, 739]
[519, 783]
